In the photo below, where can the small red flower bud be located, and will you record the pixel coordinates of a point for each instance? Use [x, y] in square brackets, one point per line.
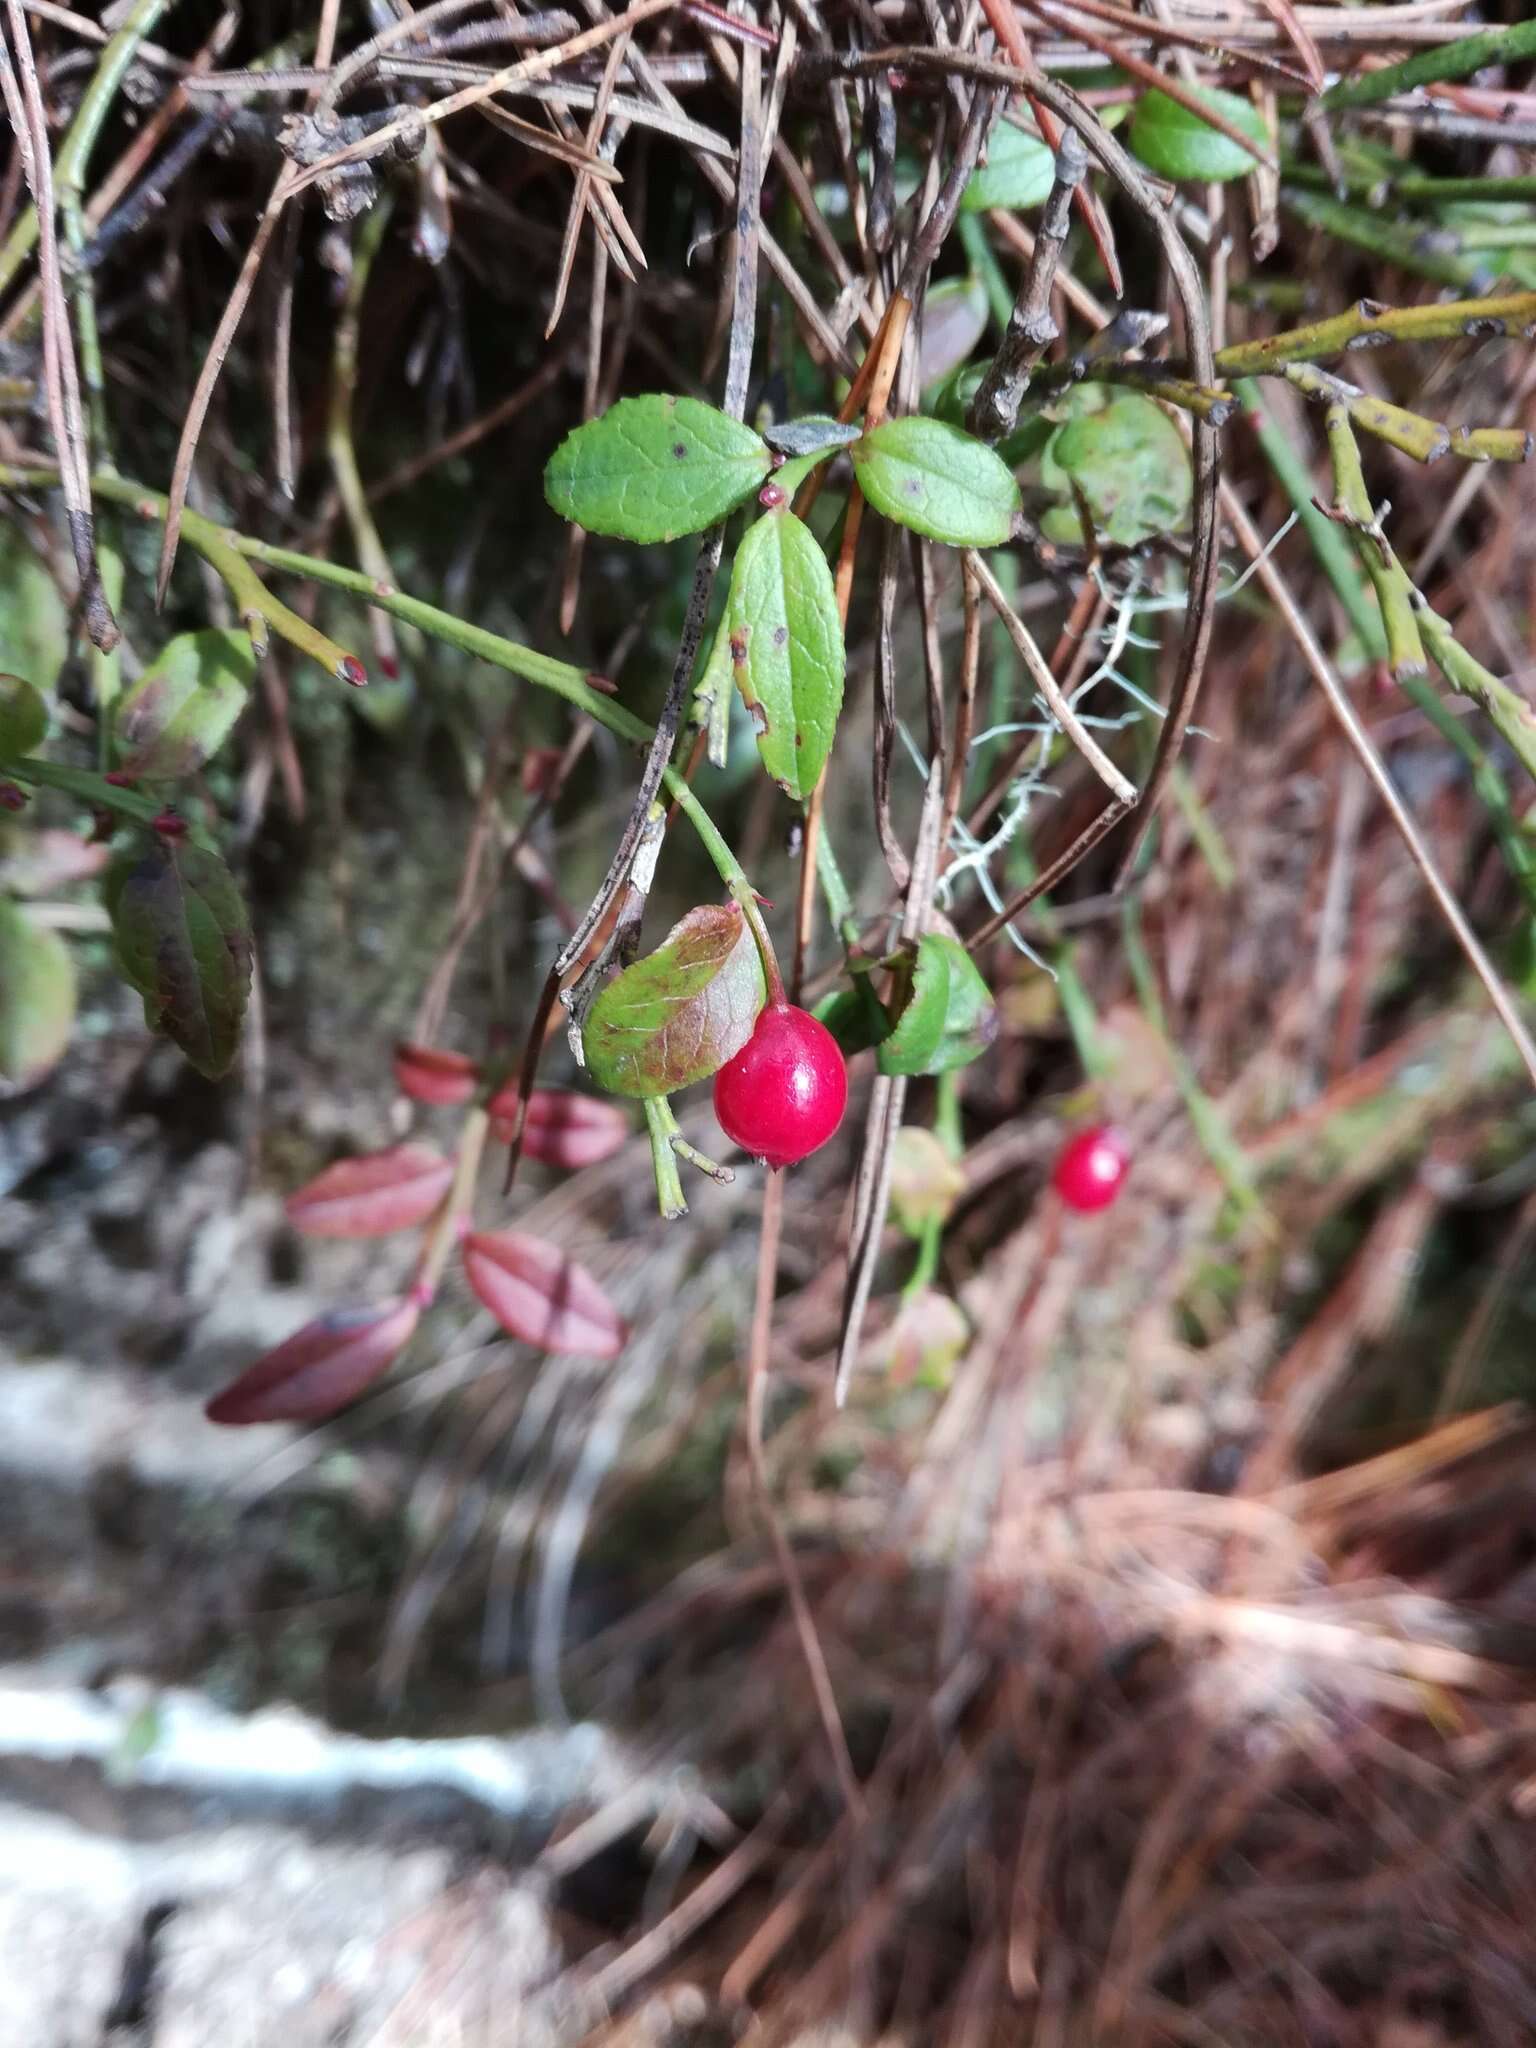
[771, 496]
[169, 825]
[541, 769]
[13, 797]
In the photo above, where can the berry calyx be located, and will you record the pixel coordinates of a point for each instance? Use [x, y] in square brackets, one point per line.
[784, 1093]
[1091, 1168]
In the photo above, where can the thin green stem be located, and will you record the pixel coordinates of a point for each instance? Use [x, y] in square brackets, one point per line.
[661, 1124]
[89, 789]
[1391, 241]
[1512, 313]
[1337, 560]
[1410, 433]
[339, 442]
[1210, 1126]
[230, 553]
[1335, 556]
[1394, 592]
[74, 154]
[1431, 67]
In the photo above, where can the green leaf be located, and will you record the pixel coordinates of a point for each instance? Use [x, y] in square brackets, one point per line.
[682, 1011]
[970, 1019]
[1019, 171]
[938, 481]
[816, 434]
[786, 647]
[23, 718]
[184, 942]
[712, 696]
[855, 1017]
[949, 1017]
[180, 711]
[1178, 144]
[919, 1028]
[654, 467]
[1127, 459]
[37, 998]
[34, 622]
[950, 399]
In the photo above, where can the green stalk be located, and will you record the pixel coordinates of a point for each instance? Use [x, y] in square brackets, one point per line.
[1401, 242]
[1510, 313]
[1335, 556]
[1394, 592]
[74, 154]
[1210, 1126]
[90, 789]
[1336, 559]
[661, 1124]
[1432, 67]
[230, 553]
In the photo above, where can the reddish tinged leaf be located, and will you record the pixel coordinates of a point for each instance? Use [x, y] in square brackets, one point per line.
[538, 1294]
[320, 1368]
[180, 711]
[676, 1016]
[428, 1075]
[183, 941]
[374, 1195]
[563, 1129]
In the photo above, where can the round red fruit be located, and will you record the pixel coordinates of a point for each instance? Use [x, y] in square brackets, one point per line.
[784, 1093]
[1091, 1168]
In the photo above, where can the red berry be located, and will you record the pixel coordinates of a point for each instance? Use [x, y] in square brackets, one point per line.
[1091, 1168]
[784, 1093]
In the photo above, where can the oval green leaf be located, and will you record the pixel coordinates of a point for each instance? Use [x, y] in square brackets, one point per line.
[786, 647]
[183, 941]
[816, 433]
[1178, 144]
[37, 998]
[918, 1032]
[180, 711]
[938, 481]
[970, 1019]
[1019, 171]
[681, 1012]
[23, 718]
[654, 467]
[34, 620]
[1128, 461]
[855, 1017]
[948, 1018]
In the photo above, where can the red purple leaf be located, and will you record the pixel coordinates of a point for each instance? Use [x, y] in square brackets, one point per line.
[428, 1075]
[320, 1368]
[563, 1128]
[374, 1195]
[538, 1294]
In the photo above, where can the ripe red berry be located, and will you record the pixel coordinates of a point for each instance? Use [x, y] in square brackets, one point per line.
[784, 1093]
[1091, 1168]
